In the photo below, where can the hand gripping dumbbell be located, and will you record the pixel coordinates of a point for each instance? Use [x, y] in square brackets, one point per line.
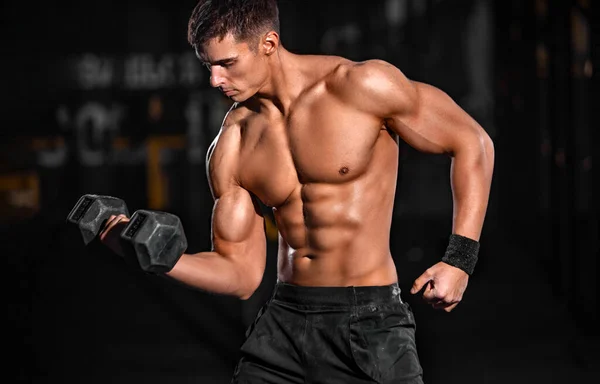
[155, 238]
[92, 212]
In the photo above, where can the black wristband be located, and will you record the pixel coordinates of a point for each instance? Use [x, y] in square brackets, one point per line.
[462, 253]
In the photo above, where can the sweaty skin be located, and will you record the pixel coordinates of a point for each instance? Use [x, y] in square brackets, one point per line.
[316, 139]
[328, 170]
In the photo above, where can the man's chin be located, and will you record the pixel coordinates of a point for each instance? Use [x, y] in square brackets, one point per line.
[238, 98]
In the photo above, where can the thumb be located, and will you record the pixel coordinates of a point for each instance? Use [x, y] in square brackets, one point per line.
[420, 282]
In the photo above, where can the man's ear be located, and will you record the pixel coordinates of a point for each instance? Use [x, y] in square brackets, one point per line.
[270, 43]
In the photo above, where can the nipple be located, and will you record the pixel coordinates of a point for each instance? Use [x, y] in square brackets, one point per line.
[344, 170]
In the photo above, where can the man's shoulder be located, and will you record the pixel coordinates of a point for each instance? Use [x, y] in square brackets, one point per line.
[227, 140]
[350, 76]
[365, 67]
[369, 85]
[222, 157]
[341, 74]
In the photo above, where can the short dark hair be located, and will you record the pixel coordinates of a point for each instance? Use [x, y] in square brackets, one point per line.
[244, 19]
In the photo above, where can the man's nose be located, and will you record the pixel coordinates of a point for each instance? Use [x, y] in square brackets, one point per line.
[216, 80]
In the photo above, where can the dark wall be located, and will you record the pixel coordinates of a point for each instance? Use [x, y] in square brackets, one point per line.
[91, 89]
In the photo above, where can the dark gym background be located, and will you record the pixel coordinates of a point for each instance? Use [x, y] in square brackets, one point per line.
[106, 97]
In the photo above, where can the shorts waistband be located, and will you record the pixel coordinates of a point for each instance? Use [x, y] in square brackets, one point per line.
[337, 296]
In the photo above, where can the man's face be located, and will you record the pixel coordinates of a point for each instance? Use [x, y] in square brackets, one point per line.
[234, 68]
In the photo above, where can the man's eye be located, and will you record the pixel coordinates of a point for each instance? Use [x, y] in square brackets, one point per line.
[207, 66]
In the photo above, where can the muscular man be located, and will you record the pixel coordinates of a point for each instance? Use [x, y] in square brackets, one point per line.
[316, 139]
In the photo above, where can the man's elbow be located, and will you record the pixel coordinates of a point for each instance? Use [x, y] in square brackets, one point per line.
[476, 149]
[481, 153]
[248, 291]
[246, 295]
[486, 148]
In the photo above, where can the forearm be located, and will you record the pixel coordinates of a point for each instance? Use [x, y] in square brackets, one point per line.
[471, 177]
[212, 272]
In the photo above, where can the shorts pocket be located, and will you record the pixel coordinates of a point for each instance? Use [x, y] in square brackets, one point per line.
[382, 342]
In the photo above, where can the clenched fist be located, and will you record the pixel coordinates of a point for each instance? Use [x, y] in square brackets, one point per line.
[444, 286]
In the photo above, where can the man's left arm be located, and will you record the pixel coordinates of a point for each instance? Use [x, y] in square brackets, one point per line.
[428, 120]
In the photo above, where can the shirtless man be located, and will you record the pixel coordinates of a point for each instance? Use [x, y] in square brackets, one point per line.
[316, 139]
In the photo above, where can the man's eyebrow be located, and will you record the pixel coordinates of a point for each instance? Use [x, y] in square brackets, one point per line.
[221, 61]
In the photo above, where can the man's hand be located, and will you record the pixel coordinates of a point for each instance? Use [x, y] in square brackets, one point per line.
[444, 286]
[111, 233]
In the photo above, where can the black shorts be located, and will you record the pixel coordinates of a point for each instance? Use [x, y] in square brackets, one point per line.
[331, 335]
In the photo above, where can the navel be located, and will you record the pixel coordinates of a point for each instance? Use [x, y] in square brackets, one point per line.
[344, 171]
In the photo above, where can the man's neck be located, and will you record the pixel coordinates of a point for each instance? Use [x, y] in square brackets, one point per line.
[285, 83]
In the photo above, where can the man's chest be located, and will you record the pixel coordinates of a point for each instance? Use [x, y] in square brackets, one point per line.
[319, 143]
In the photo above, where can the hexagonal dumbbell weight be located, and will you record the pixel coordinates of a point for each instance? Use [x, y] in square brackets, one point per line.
[91, 213]
[157, 239]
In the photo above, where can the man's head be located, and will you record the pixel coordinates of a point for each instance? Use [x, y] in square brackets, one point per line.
[234, 38]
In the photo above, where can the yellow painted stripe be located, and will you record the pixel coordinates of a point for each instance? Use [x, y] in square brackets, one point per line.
[22, 181]
[157, 181]
[25, 180]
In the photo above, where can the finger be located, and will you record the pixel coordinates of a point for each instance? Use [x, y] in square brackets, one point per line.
[446, 306]
[114, 220]
[430, 294]
[450, 307]
[438, 303]
[108, 221]
[420, 282]
[117, 219]
[111, 219]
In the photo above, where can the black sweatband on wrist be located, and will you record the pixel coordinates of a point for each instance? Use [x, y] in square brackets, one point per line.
[462, 253]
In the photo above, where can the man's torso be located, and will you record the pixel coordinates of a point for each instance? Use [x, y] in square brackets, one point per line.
[328, 170]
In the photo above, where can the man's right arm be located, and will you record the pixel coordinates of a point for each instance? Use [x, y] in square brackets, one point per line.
[236, 264]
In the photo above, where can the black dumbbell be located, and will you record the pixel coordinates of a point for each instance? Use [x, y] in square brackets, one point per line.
[158, 239]
[91, 213]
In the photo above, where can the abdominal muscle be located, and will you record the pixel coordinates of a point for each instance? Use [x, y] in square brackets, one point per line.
[335, 235]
